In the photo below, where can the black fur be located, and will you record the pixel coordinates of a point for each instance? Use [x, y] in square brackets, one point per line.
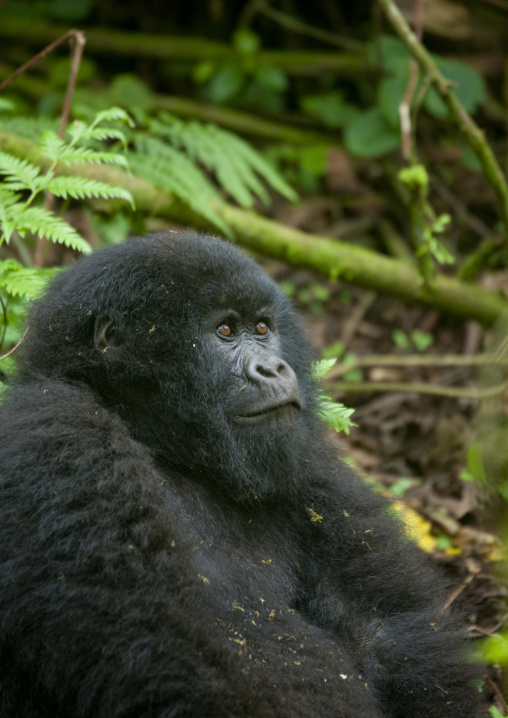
[160, 558]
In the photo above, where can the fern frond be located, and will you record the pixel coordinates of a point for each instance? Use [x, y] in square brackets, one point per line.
[39, 221]
[81, 187]
[59, 151]
[107, 133]
[21, 281]
[173, 172]
[322, 367]
[8, 199]
[244, 151]
[20, 174]
[235, 163]
[113, 114]
[336, 416]
[28, 127]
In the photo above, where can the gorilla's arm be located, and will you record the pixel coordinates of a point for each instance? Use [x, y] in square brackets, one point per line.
[379, 594]
[91, 590]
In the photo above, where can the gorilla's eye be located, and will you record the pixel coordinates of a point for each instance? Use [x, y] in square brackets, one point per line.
[261, 328]
[224, 330]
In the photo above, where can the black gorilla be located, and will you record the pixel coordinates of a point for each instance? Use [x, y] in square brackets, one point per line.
[177, 536]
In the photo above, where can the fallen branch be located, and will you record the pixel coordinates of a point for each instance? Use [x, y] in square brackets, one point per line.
[372, 387]
[107, 41]
[331, 258]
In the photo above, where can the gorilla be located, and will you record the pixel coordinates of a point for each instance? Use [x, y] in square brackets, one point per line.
[178, 537]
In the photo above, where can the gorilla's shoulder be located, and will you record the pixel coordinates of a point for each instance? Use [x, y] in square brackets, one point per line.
[51, 424]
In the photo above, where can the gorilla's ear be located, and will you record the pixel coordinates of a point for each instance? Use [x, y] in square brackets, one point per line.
[106, 334]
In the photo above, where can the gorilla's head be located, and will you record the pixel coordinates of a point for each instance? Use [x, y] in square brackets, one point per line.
[195, 347]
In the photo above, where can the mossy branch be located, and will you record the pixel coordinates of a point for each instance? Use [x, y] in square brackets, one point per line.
[331, 258]
[107, 41]
[474, 136]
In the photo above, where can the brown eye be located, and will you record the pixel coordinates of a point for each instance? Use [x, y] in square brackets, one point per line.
[224, 330]
[261, 328]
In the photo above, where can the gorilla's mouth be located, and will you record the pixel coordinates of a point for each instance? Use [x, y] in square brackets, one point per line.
[285, 408]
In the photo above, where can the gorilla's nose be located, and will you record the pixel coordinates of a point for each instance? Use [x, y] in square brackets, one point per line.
[261, 368]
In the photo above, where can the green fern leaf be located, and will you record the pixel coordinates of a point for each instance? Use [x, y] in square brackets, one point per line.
[336, 416]
[107, 133]
[39, 221]
[81, 188]
[59, 151]
[173, 172]
[322, 367]
[20, 174]
[21, 281]
[8, 200]
[245, 152]
[113, 114]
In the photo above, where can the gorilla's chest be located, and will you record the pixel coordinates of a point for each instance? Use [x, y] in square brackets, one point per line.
[244, 559]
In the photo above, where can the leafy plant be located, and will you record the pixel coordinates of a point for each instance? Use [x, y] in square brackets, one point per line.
[421, 341]
[335, 415]
[243, 81]
[21, 212]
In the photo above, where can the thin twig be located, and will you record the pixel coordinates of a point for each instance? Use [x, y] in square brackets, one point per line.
[4, 312]
[77, 54]
[473, 134]
[405, 105]
[11, 351]
[295, 25]
[412, 360]
[372, 387]
[37, 58]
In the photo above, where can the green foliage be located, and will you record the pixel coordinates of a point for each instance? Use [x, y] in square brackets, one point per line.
[399, 487]
[171, 153]
[335, 415]
[239, 169]
[370, 135]
[495, 713]
[494, 650]
[417, 339]
[376, 131]
[21, 217]
[243, 81]
[426, 226]
[330, 108]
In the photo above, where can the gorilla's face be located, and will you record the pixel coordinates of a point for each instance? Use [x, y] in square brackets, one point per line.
[263, 388]
[190, 342]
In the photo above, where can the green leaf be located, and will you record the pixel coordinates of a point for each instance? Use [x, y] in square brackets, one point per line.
[246, 41]
[81, 188]
[390, 93]
[21, 281]
[39, 221]
[271, 78]
[336, 416]
[469, 88]
[131, 89]
[330, 108]
[322, 367]
[475, 463]
[225, 84]
[370, 136]
[20, 173]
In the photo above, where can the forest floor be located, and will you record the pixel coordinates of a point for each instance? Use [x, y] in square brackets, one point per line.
[415, 446]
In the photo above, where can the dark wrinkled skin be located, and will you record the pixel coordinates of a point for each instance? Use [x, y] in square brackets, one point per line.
[177, 536]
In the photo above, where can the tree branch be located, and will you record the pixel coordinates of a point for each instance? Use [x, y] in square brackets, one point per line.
[473, 134]
[331, 258]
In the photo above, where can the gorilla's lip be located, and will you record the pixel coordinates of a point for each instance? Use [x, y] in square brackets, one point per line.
[269, 410]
